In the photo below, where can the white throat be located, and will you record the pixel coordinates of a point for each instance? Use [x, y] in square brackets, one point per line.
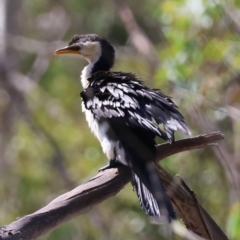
[92, 55]
[86, 73]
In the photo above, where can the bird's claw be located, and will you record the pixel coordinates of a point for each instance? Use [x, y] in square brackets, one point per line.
[111, 164]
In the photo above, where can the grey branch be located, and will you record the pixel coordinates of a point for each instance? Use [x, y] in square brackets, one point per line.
[107, 184]
[138, 38]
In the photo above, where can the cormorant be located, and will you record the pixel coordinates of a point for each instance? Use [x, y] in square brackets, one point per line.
[125, 116]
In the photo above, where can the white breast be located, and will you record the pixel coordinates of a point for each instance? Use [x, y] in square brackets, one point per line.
[111, 147]
[100, 131]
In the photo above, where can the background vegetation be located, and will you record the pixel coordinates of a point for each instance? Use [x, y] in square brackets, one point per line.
[189, 49]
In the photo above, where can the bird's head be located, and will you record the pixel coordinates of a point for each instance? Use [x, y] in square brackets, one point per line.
[91, 47]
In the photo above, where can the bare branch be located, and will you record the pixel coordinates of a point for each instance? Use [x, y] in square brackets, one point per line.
[138, 38]
[223, 155]
[201, 141]
[186, 205]
[232, 13]
[108, 183]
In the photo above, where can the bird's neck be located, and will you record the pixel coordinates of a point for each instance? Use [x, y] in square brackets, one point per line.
[86, 74]
[100, 64]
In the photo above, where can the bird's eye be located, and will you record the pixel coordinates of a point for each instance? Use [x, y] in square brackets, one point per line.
[75, 48]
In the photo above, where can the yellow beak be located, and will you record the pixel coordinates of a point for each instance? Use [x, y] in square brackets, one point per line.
[67, 50]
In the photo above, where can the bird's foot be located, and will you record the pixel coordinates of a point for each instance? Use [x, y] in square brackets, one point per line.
[111, 164]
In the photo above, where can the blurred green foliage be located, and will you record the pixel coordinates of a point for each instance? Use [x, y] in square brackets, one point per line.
[48, 148]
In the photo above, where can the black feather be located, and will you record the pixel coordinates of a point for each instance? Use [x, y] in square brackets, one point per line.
[138, 104]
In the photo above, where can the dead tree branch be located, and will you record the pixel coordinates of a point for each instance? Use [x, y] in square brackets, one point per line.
[108, 183]
[138, 38]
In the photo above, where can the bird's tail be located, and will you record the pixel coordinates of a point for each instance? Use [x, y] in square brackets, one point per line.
[139, 150]
[147, 201]
[152, 196]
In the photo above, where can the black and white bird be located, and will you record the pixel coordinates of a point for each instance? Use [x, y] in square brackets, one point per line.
[126, 116]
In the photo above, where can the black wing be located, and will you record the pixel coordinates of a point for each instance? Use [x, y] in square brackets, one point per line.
[122, 95]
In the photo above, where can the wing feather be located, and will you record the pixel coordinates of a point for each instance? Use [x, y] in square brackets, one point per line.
[116, 94]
